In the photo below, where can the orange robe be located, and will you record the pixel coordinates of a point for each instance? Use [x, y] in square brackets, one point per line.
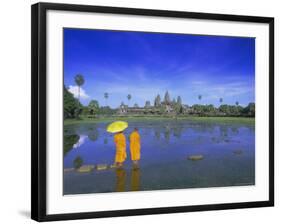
[135, 145]
[120, 142]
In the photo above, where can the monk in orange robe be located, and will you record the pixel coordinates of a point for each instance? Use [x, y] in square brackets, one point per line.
[120, 142]
[135, 146]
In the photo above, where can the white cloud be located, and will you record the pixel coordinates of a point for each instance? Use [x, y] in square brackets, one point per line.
[232, 89]
[217, 90]
[74, 91]
[82, 139]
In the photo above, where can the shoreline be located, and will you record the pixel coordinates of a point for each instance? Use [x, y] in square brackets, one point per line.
[243, 120]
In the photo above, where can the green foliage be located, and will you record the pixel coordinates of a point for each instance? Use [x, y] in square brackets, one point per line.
[229, 109]
[209, 108]
[250, 110]
[70, 104]
[162, 110]
[93, 107]
[68, 142]
[106, 111]
[197, 108]
[203, 109]
[178, 108]
[237, 110]
[224, 108]
[85, 110]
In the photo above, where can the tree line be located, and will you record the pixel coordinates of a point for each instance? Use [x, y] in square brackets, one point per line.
[73, 107]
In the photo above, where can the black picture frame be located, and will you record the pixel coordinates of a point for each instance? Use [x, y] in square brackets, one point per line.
[39, 122]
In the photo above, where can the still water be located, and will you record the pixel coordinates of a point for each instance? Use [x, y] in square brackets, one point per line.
[228, 152]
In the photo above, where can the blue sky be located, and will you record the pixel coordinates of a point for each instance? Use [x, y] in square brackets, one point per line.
[147, 64]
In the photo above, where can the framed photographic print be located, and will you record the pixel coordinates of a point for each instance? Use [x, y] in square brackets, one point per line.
[139, 111]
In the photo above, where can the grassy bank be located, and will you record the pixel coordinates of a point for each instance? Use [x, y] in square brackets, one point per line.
[243, 120]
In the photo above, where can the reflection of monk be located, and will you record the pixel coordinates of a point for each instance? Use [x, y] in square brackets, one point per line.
[120, 142]
[135, 146]
[120, 180]
[135, 179]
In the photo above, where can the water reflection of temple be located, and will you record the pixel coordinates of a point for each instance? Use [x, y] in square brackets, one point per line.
[167, 133]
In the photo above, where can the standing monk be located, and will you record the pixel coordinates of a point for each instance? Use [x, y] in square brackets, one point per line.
[120, 142]
[135, 146]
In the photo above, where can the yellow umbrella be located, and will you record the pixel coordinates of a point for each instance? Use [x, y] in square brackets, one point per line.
[117, 126]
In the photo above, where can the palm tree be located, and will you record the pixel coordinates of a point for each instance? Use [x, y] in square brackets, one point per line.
[106, 95]
[79, 80]
[129, 97]
[199, 97]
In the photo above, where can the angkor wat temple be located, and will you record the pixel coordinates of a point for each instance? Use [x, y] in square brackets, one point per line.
[165, 107]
